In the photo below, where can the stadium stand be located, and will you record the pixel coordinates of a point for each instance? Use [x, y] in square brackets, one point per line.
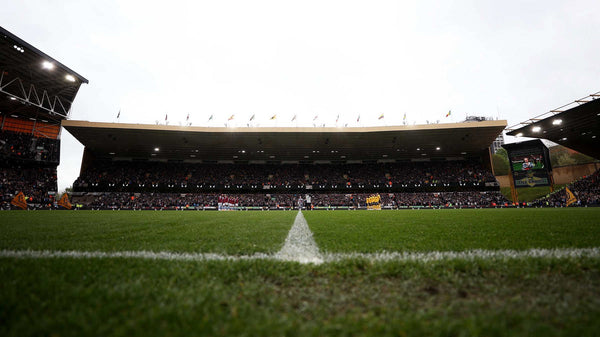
[123, 200]
[586, 191]
[23, 147]
[37, 183]
[164, 185]
[36, 94]
[108, 176]
[129, 166]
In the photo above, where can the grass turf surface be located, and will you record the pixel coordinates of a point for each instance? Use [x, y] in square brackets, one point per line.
[74, 297]
[216, 232]
[128, 297]
[455, 230]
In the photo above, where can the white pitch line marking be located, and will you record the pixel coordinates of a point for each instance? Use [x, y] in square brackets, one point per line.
[300, 246]
[478, 254]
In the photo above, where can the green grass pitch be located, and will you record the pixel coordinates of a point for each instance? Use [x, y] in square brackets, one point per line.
[142, 297]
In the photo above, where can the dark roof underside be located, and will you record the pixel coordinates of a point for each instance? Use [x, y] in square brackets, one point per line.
[35, 91]
[109, 140]
[579, 128]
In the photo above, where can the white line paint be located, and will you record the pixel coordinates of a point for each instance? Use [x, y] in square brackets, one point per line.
[477, 254]
[559, 253]
[50, 254]
[300, 246]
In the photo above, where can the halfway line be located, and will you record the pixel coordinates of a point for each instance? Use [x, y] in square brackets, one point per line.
[300, 246]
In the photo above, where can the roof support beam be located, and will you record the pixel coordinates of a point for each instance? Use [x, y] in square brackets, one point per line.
[52, 105]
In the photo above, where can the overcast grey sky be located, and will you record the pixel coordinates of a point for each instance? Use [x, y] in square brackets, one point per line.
[507, 59]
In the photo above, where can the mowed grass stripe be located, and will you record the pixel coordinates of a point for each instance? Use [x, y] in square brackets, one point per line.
[454, 230]
[232, 233]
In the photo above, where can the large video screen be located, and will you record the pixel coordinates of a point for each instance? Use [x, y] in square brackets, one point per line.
[532, 160]
[530, 163]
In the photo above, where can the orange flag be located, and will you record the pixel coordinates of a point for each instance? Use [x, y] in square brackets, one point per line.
[64, 202]
[20, 201]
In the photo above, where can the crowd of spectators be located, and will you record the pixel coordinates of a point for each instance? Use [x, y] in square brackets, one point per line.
[34, 182]
[143, 176]
[122, 200]
[585, 190]
[24, 146]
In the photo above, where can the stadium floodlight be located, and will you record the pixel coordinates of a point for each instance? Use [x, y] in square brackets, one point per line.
[156, 149]
[536, 129]
[47, 65]
[557, 122]
[438, 148]
[70, 78]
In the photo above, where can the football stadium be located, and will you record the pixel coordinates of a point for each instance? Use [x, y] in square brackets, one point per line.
[402, 230]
